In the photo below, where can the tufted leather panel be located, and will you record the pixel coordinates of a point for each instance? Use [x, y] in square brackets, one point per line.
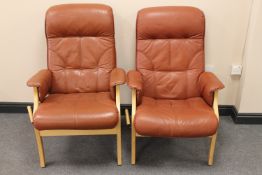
[170, 51]
[76, 111]
[192, 117]
[81, 47]
[81, 64]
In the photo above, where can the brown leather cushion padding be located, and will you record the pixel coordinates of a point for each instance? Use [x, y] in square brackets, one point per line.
[68, 20]
[175, 118]
[81, 47]
[81, 64]
[170, 51]
[76, 111]
[169, 22]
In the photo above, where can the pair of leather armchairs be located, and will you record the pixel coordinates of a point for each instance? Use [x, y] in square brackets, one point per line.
[78, 94]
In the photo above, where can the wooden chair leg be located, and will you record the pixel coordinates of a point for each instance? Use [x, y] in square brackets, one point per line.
[40, 147]
[133, 146]
[133, 131]
[118, 135]
[212, 149]
[119, 148]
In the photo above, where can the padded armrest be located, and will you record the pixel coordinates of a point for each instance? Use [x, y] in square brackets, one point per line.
[117, 77]
[208, 84]
[134, 80]
[41, 80]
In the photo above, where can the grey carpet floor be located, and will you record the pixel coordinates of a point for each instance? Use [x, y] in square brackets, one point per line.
[238, 151]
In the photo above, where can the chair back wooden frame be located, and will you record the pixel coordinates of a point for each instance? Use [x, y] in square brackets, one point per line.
[39, 134]
[134, 134]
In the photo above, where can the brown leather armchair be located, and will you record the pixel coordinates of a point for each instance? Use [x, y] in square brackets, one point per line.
[78, 94]
[172, 96]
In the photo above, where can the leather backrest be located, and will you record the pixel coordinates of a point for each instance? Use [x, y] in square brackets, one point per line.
[81, 47]
[170, 51]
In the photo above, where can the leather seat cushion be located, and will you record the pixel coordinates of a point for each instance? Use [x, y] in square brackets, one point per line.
[76, 111]
[191, 117]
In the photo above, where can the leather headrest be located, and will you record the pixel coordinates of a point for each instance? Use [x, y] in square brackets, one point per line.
[170, 22]
[70, 20]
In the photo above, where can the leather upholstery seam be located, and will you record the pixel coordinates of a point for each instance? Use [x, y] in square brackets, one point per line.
[82, 36]
[170, 39]
[169, 71]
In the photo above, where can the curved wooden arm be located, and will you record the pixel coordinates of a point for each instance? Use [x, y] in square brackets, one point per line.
[118, 100]
[30, 113]
[215, 104]
[36, 103]
[36, 99]
[133, 105]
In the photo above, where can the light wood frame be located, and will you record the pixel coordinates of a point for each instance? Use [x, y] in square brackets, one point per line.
[44, 133]
[134, 134]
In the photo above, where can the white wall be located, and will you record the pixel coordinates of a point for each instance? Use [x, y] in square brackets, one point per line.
[23, 46]
[251, 80]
